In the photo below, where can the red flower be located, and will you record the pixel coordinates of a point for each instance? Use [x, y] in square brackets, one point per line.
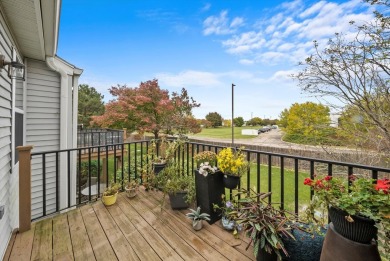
[352, 177]
[383, 184]
[327, 178]
[307, 181]
[319, 183]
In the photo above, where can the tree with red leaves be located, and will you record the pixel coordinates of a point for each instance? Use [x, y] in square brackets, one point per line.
[148, 108]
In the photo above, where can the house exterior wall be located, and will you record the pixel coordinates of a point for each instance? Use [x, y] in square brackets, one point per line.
[42, 129]
[6, 178]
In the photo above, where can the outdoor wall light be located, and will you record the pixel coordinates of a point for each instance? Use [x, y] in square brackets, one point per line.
[15, 69]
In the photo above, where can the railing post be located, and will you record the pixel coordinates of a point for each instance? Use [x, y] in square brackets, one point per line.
[24, 187]
[124, 134]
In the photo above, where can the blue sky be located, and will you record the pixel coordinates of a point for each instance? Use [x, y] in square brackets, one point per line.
[204, 46]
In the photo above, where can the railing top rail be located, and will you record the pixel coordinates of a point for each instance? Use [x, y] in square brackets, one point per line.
[86, 148]
[339, 163]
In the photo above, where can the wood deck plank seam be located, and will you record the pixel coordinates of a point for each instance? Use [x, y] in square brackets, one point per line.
[120, 203]
[90, 240]
[185, 226]
[100, 207]
[112, 209]
[161, 233]
[152, 194]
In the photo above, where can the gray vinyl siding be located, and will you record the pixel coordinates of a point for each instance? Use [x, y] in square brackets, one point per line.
[42, 130]
[19, 95]
[5, 143]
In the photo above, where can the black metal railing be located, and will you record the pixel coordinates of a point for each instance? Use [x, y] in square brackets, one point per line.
[97, 137]
[71, 177]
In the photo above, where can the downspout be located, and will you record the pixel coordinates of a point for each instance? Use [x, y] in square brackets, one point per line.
[64, 125]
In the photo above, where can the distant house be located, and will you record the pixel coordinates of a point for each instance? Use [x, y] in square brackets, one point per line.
[40, 110]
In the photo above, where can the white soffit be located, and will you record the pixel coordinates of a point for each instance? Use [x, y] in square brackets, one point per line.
[34, 23]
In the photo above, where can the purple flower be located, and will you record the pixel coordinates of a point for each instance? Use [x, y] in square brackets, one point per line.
[229, 204]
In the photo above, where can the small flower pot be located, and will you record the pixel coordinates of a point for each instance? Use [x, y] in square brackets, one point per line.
[361, 230]
[178, 200]
[109, 200]
[158, 167]
[228, 224]
[131, 192]
[197, 225]
[230, 181]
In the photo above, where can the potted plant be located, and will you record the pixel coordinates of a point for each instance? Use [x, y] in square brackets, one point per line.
[197, 218]
[132, 187]
[229, 214]
[355, 211]
[179, 187]
[161, 152]
[110, 194]
[209, 184]
[266, 226]
[233, 165]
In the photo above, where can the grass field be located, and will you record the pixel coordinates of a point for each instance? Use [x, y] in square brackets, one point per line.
[225, 133]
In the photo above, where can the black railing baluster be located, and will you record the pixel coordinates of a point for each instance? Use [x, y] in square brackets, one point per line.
[68, 169]
[115, 163]
[192, 159]
[350, 172]
[188, 158]
[282, 183]
[312, 176]
[79, 173]
[142, 155]
[248, 173]
[128, 162]
[374, 174]
[258, 172]
[107, 175]
[135, 160]
[296, 183]
[44, 184]
[330, 169]
[270, 177]
[89, 175]
[57, 184]
[98, 171]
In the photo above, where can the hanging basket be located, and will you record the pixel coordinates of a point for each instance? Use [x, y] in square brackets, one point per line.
[230, 181]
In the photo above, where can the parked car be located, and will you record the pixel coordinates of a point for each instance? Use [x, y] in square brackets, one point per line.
[263, 129]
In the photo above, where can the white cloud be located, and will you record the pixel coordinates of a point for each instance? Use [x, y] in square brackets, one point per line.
[190, 77]
[206, 7]
[219, 25]
[246, 61]
[287, 33]
[245, 42]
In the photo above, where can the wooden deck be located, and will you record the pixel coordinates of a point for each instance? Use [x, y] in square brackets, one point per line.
[132, 229]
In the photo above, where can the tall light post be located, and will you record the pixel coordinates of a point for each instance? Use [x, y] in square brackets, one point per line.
[233, 114]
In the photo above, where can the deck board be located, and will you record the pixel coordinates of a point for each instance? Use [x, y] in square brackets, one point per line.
[132, 229]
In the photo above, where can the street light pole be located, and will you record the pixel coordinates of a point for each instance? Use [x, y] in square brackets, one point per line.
[233, 114]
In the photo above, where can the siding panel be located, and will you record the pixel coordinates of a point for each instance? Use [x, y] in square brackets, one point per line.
[5, 144]
[43, 129]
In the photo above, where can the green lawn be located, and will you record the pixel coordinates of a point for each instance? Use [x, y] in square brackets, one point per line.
[225, 133]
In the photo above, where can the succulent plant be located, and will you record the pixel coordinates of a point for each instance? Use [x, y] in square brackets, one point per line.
[196, 216]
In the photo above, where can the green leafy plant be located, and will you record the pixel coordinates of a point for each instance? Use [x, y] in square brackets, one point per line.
[112, 189]
[196, 216]
[265, 225]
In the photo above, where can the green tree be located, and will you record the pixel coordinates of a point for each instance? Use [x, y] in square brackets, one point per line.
[308, 121]
[255, 121]
[215, 118]
[355, 70]
[238, 121]
[90, 104]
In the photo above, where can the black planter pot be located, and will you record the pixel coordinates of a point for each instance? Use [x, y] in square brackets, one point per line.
[158, 167]
[362, 230]
[208, 192]
[178, 200]
[306, 247]
[230, 181]
[263, 255]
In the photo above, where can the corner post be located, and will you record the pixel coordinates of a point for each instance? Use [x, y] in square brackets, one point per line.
[124, 134]
[24, 187]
